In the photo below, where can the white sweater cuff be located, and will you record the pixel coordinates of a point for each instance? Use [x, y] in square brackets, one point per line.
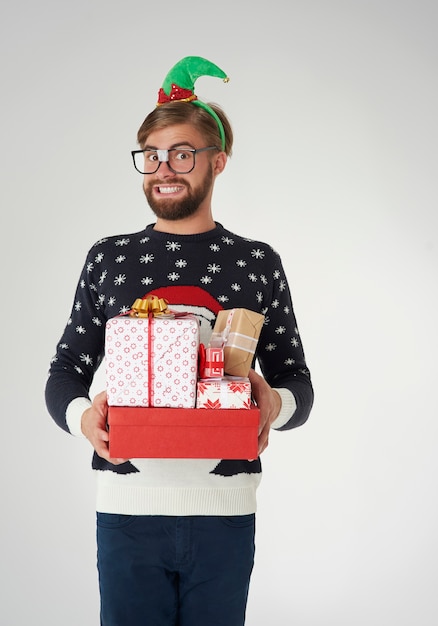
[73, 415]
[288, 407]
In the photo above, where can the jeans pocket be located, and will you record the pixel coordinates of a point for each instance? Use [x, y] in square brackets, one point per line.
[113, 520]
[239, 521]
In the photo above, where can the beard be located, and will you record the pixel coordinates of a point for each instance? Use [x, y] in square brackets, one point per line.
[173, 209]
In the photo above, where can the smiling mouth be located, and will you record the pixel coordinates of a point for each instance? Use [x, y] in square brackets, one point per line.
[168, 189]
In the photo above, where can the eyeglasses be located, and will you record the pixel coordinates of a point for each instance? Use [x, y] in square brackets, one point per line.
[179, 160]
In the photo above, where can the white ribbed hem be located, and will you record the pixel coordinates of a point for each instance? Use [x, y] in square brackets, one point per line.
[73, 415]
[175, 501]
[288, 408]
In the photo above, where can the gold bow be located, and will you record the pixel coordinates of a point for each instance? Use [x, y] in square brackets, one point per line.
[152, 305]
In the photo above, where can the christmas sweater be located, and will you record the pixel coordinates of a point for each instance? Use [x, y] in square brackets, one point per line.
[200, 274]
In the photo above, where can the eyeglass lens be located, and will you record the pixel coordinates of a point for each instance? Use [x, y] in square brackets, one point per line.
[180, 161]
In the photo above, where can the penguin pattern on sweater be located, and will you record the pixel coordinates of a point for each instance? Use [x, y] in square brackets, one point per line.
[202, 274]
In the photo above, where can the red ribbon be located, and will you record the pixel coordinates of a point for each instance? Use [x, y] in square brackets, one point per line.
[201, 359]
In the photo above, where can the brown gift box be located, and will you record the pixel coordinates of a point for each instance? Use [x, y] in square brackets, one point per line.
[238, 331]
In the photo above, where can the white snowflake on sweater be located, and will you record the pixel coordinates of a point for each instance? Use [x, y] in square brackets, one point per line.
[120, 279]
[173, 246]
[257, 253]
[147, 258]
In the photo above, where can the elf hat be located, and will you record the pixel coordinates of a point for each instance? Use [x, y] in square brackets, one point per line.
[179, 85]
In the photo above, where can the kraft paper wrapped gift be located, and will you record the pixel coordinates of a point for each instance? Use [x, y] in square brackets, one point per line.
[152, 361]
[237, 331]
[229, 392]
[183, 433]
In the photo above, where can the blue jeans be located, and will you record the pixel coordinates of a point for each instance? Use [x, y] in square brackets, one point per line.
[174, 571]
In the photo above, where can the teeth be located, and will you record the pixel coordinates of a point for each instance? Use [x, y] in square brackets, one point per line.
[169, 189]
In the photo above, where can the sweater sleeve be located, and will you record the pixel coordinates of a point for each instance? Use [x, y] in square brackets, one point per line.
[79, 353]
[281, 356]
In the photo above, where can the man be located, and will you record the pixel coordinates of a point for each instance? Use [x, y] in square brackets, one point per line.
[176, 537]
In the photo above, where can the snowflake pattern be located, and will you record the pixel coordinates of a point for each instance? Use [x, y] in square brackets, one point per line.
[173, 246]
[257, 253]
[120, 279]
[85, 358]
[227, 267]
[147, 258]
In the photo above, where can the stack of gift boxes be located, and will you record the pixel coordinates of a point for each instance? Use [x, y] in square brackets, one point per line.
[169, 396]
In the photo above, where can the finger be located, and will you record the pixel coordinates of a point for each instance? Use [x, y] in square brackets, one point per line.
[263, 439]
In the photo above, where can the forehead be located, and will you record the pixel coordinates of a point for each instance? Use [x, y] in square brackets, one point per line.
[177, 134]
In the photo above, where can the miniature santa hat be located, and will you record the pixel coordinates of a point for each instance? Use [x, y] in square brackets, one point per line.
[191, 299]
[179, 85]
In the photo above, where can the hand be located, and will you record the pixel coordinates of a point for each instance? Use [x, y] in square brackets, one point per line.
[94, 427]
[269, 403]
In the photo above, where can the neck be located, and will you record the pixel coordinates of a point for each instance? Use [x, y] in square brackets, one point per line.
[193, 225]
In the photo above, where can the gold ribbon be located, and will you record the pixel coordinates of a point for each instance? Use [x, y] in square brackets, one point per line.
[151, 305]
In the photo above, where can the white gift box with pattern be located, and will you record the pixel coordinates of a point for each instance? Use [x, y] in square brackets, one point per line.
[229, 392]
[152, 361]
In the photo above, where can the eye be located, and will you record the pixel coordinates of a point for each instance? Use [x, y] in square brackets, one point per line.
[182, 155]
[151, 156]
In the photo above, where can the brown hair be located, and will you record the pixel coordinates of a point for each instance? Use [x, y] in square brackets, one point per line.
[173, 113]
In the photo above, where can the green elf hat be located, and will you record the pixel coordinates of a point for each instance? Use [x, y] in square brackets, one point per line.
[179, 85]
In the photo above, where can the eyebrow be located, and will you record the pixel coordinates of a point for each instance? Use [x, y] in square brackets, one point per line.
[181, 144]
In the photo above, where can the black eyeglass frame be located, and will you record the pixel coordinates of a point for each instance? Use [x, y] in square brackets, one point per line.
[194, 151]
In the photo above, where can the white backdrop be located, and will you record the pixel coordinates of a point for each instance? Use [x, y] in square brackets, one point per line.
[334, 107]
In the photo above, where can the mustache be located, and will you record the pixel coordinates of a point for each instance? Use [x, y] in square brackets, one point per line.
[175, 181]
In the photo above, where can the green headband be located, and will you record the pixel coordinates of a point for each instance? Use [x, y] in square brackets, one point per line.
[179, 85]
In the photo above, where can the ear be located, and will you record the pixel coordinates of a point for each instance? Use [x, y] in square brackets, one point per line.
[219, 163]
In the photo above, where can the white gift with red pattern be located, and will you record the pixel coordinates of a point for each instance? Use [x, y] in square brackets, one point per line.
[152, 361]
[229, 392]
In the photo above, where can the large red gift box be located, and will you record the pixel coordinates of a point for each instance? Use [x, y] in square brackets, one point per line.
[183, 433]
[152, 361]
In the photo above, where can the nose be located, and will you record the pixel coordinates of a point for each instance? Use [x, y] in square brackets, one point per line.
[164, 170]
